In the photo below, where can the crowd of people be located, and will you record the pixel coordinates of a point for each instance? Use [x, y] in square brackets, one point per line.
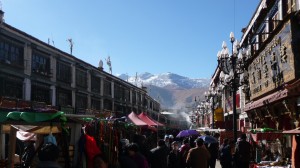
[169, 152]
[191, 152]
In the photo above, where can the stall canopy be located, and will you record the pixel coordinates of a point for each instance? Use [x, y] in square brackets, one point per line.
[268, 136]
[144, 117]
[135, 119]
[31, 117]
[31, 121]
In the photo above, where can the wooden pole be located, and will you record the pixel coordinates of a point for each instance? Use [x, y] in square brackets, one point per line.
[12, 146]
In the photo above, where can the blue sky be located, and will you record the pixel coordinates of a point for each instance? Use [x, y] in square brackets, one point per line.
[156, 36]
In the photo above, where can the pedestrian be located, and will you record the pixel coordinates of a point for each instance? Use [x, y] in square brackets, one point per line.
[48, 156]
[136, 156]
[225, 154]
[125, 160]
[159, 155]
[100, 161]
[213, 149]
[198, 157]
[183, 151]
[174, 156]
[242, 153]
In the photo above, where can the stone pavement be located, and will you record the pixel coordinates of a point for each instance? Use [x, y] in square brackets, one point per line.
[218, 164]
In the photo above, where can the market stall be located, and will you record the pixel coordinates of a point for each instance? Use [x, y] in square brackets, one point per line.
[270, 147]
[16, 122]
[295, 136]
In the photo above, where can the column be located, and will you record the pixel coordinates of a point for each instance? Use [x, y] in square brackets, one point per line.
[27, 89]
[73, 84]
[53, 95]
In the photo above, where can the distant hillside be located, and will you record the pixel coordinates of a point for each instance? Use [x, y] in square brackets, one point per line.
[171, 90]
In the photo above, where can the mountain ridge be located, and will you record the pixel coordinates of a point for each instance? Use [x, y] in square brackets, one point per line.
[171, 90]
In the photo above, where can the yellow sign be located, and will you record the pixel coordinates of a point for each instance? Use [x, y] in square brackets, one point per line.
[219, 116]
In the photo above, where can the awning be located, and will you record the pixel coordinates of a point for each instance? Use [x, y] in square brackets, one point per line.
[291, 90]
[294, 131]
[266, 100]
[135, 119]
[144, 117]
[268, 136]
[31, 117]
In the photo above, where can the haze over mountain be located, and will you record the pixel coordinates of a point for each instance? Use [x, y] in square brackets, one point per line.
[171, 90]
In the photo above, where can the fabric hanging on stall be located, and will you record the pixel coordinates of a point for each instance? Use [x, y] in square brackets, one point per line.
[26, 136]
[50, 138]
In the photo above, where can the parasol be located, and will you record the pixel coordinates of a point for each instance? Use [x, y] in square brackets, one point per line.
[185, 133]
[208, 139]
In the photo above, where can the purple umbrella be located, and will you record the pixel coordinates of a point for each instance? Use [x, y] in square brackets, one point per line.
[185, 133]
[208, 139]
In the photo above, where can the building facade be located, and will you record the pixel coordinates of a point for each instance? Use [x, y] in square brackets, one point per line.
[34, 71]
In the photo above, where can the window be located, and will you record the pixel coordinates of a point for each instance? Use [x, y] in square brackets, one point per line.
[107, 104]
[96, 104]
[81, 78]
[63, 72]
[40, 93]
[81, 101]
[11, 53]
[107, 88]
[117, 92]
[95, 84]
[133, 97]
[40, 64]
[64, 97]
[11, 87]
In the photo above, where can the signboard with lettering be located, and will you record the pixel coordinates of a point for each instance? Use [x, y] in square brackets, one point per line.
[273, 66]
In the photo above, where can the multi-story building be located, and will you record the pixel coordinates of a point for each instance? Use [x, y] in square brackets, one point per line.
[273, 38]
[35, 71]
[272, 97]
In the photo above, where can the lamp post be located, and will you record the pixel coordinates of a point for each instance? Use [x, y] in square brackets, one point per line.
[210, 96]
[232, 66]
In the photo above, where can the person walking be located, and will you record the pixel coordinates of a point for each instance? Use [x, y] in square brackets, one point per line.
[136, 156]
[48, 156]
[183, 151]
[242, 153]
[198, 157]
[225, 154]
[174, 157]
[159, 155]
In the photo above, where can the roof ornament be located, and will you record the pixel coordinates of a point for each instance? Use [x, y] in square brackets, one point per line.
[71, 45]
[108, 62]
[100, 64]
[1, 14]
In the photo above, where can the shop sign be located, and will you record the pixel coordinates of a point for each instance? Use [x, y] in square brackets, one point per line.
[273, 66]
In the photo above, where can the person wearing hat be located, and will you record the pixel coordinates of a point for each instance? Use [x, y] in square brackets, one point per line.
[198, 157]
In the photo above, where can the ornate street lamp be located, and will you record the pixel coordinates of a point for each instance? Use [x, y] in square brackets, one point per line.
[233, 73]
[210, 97]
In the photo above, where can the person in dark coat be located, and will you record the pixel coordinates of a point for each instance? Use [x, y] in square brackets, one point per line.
[139, 159]
[242, 153]
[174, 156]
[48, 156]
[225, 154]
[159, 155]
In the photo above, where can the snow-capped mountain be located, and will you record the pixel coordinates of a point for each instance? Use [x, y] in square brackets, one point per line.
[174, 91]
[165, 80]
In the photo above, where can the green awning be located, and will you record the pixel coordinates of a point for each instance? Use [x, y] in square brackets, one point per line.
[31, 117]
